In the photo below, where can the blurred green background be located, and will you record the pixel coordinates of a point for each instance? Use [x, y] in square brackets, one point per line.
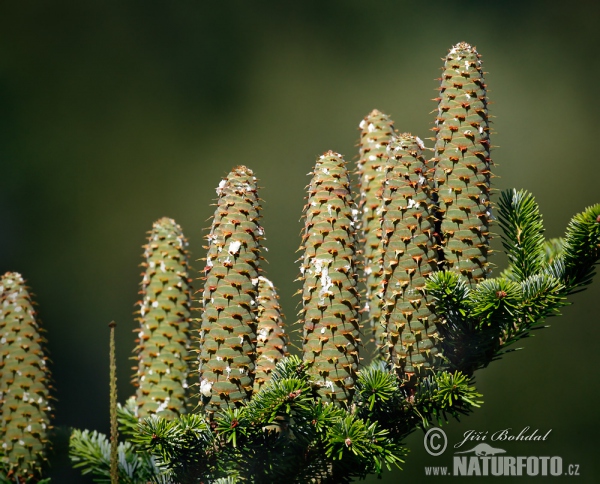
[113, 114]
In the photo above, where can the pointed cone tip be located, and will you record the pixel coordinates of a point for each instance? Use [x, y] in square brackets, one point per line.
[462, 46]
[243, 170]
[164, 221]
[330, 154]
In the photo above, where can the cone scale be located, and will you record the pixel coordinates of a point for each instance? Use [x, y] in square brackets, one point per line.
[228, 328]
[330, 300]
[24, 384]
[376, 131]
[462, 164]
[164, 317]
[409, 256]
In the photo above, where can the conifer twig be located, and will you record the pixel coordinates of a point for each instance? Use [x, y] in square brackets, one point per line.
[114, 431]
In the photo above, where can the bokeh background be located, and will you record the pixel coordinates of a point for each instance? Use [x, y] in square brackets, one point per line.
[114, 114]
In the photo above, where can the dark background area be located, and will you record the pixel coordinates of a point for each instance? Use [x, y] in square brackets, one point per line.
[114, 114]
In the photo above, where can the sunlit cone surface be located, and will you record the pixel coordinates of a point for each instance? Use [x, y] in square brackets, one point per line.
[271, 339]
[463, 162]
[228, 331]
[376, 131]
[24, 384]
[164, 317]
[329, 295]
[409, 257]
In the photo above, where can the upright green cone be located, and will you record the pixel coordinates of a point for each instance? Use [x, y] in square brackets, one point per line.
[164, 317]
[228, 330]
[376, 132]
[409, 257]
[271, 339]
[24, 384]
[462, 164]
[330, 299]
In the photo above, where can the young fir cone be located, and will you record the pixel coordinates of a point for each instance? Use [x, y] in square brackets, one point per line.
[271, 340]
[24, 384]
[409, 257]
[462, 164]
[330, 297]
[228, 330]
[164, 316]
[376, 131]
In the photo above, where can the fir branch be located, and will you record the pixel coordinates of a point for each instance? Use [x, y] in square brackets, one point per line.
[91, 452]
[381, 398]
[318, 419]
[290, 367]
[126, 417]
[261, 455]
[472, 333]
[183, 447]
[231, 424]
[376, 386]
[358, 448]
[466, 344]
[575, 267]
[445, 394]
[279, 398]
[449, 292]
[523, 238]
[494, 302]
[542, 296]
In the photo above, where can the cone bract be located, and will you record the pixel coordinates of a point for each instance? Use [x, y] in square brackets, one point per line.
[164, 317]
[376, 132]
[228, 330]
[330, 298]
[409, 256]
[271, 339]
[462, 164]
[24, 384]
